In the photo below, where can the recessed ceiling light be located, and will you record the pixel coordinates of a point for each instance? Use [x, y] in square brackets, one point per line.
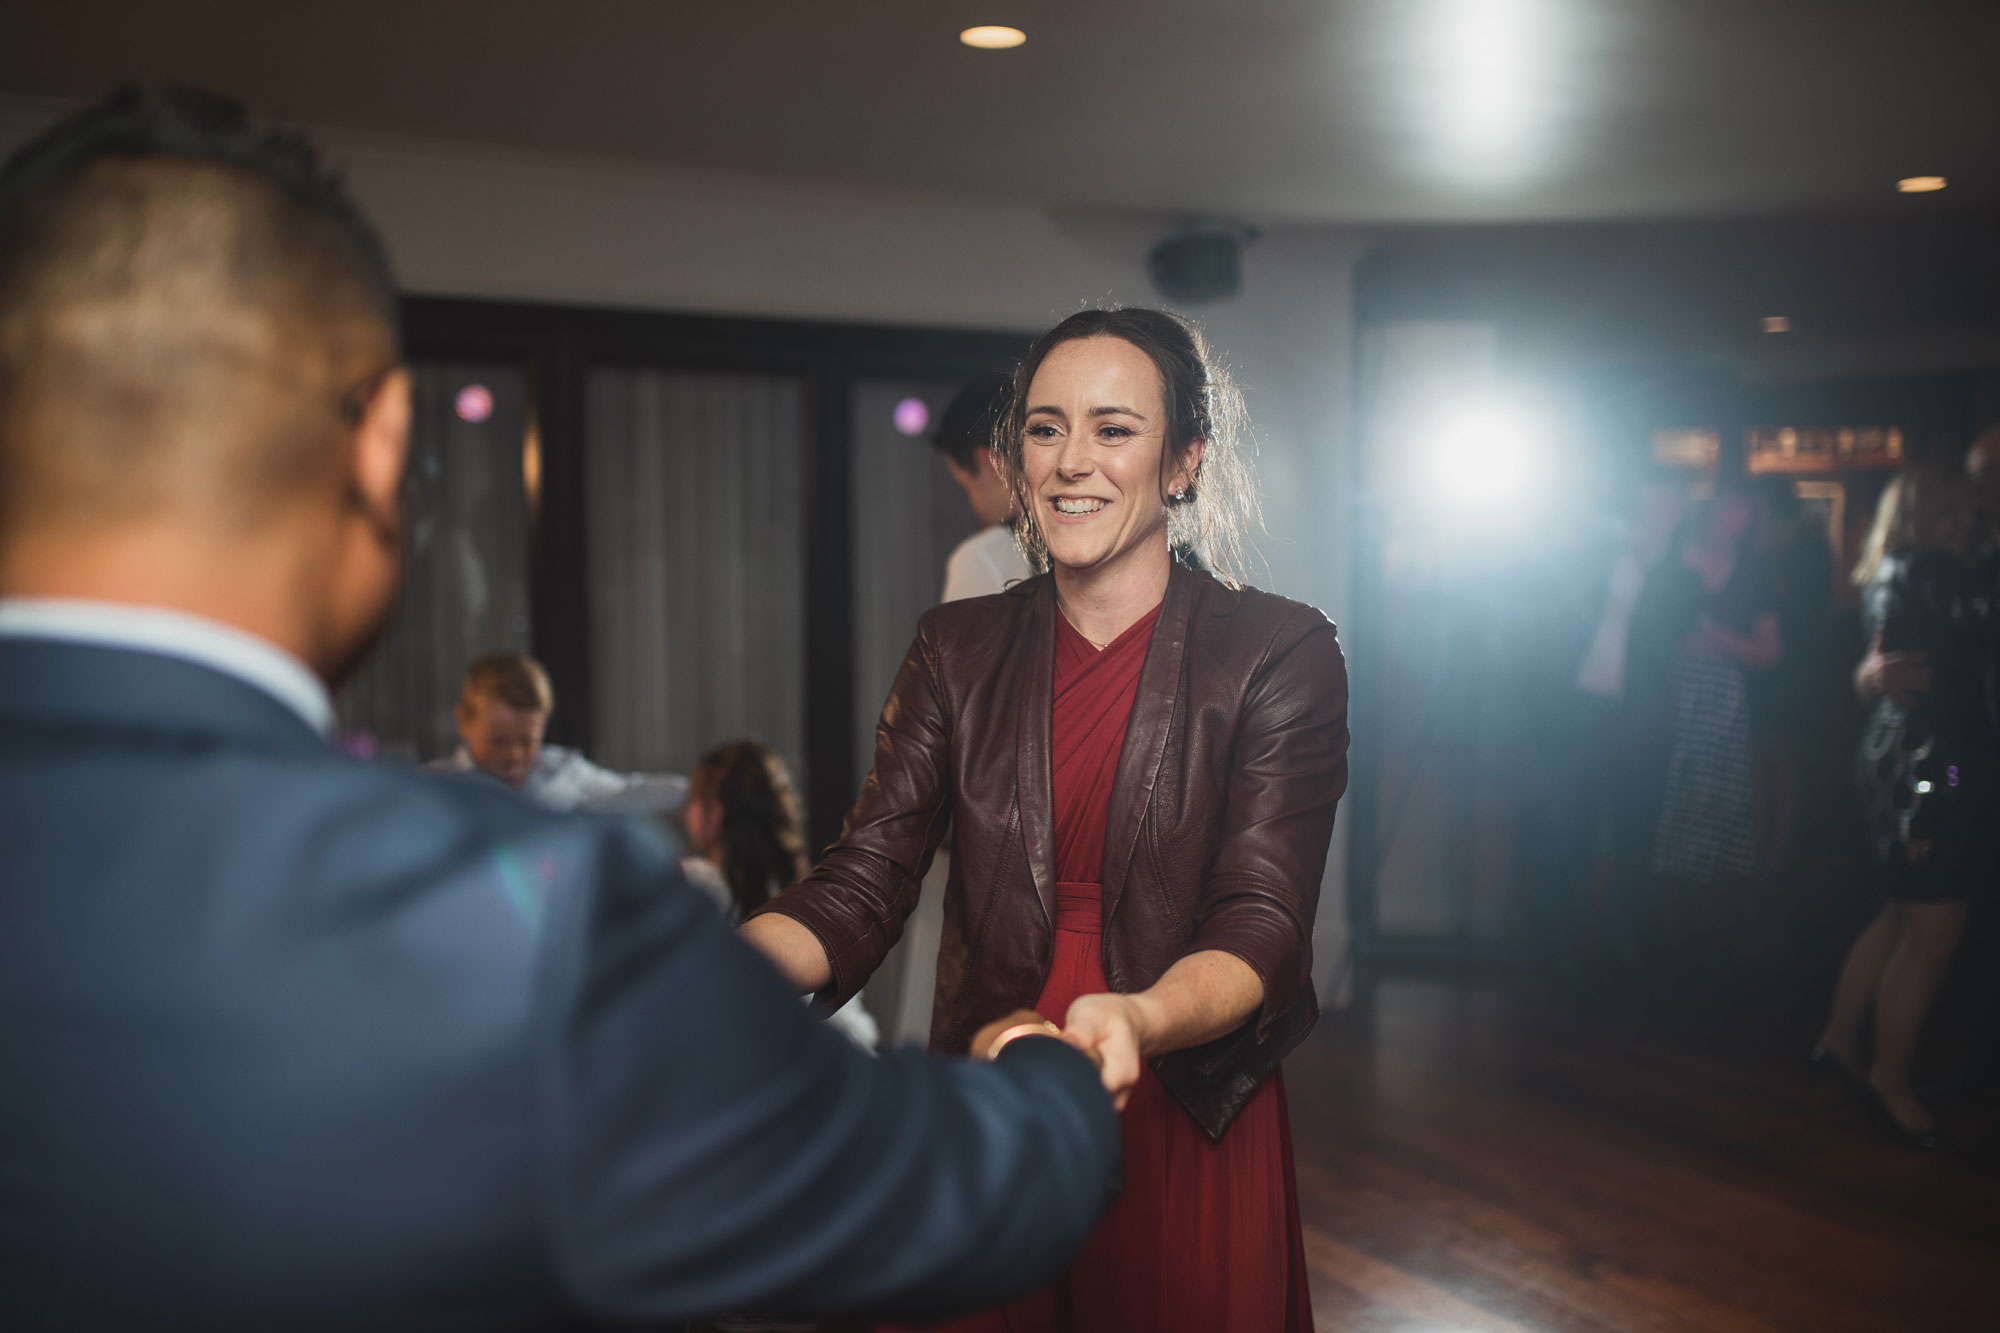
[993, 38]
[1920, 184]
[1777, 324]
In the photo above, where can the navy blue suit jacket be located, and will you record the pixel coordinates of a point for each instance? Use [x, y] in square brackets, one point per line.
[292, 1041]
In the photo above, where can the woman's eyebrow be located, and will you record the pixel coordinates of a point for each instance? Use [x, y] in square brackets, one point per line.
[1116, 412]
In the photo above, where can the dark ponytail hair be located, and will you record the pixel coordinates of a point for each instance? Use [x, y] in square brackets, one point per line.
[1208, 523]
[762, 842]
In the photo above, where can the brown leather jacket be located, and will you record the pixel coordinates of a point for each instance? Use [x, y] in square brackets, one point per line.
[1234, 760]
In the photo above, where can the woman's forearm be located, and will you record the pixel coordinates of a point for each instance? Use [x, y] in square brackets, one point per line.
[1203, 996]
[795, 951]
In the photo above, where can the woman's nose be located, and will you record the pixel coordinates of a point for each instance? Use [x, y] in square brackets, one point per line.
[1073, 459]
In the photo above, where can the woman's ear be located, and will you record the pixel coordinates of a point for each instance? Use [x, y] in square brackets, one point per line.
[1181, 484]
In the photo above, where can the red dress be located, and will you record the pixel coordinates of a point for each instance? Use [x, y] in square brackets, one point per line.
[1206, 1236]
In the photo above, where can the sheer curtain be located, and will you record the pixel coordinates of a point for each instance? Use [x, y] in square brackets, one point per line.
[465, 569]
[696, 547]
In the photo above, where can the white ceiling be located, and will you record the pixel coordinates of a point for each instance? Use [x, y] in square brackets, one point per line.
[1324, 111]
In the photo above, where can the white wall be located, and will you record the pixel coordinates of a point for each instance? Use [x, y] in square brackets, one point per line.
[482, 222]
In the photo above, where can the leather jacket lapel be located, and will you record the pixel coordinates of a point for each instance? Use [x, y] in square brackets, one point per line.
[1146, 735]
[1033, 783]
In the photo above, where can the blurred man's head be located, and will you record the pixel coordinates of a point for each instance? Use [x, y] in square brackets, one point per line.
[965, 437]
[502, 712]
[201, 404]
[1982, 466]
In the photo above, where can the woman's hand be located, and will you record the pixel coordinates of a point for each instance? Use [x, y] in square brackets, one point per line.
[1759, 650]
[1702, 640]
[1902, 677]
[1200, 998]
[1110, 1029]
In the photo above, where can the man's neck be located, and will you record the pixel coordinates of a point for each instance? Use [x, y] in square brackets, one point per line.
[254, 589]
[1105, 601]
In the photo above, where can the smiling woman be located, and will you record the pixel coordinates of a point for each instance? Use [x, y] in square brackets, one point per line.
[1139, 767]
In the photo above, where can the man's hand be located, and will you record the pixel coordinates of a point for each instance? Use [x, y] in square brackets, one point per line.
[1901, 677]
[1111, 1029]
[982, 1040]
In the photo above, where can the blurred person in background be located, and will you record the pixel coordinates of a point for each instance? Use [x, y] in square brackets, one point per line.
[1705, 837]
[1141, 765]
[990, 559]
[1904, 674]
[1789, 698]
[1930, 791]
[1607, 727]
[747, 842]
[503, 710]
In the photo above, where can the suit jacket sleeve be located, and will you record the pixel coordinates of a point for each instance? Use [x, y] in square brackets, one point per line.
[1287, 772]
[857, 898]
[706, 1147]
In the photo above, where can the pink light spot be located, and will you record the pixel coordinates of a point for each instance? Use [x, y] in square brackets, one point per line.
[912, 415]
[474, 404]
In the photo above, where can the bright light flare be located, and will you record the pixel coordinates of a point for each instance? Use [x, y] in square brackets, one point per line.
[1920, 184]
[1485, 461]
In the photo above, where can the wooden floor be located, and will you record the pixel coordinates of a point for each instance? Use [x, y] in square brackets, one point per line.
[1501, 1154]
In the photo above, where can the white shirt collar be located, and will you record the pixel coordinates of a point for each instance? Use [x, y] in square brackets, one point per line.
[151, 629]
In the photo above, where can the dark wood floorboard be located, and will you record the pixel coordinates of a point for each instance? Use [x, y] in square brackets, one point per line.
[1494, 1153]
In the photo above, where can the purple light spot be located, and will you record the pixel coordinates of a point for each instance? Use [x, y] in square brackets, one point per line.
[912, 415]
[474, 404]
[1951, 776]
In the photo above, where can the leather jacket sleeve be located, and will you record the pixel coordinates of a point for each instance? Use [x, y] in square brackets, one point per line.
[857, 898]
[1287, 774]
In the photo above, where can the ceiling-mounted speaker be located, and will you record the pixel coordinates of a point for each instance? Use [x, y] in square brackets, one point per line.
[1204, 265]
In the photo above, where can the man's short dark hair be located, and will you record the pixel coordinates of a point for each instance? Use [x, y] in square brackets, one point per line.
[969, 419]
[170, 268]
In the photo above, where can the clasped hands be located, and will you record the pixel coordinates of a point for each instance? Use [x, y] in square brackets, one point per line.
[1108, 1028]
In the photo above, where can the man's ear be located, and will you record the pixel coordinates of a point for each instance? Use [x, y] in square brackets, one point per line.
[992, 462]
[465, 716]
[382, 449]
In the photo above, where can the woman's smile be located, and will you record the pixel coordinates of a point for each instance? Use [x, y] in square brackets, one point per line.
[1076, 508]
